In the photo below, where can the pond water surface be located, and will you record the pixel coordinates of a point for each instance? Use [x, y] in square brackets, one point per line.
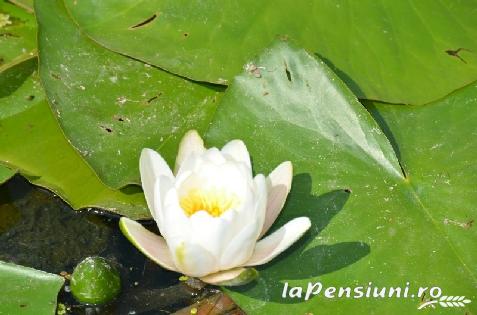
[39, 230]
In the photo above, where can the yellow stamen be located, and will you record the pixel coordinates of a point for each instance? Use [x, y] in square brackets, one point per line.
[214, 201]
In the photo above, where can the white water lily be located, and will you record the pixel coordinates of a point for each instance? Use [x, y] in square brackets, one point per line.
[212, 212]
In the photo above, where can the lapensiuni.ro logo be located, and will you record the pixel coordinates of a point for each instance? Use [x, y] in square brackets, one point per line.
[428, 296]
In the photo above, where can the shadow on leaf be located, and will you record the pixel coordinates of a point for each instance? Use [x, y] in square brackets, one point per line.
[12, 78]
[303, 261]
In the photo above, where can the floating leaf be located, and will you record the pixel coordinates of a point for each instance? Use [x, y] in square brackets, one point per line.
[111, 106]
[394, 51]
[5, 174]
[20, 84]
[25, 4]
[32, 142]
[370, 222]
[17, 32]
[26, 291]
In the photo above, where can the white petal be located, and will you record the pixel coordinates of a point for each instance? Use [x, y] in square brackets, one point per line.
[150, 244]
[274, 244]
[174, 222]
[190, 144]
[162, 187]
[229, 176]
[151, 167]
[261, 197]
[237, 150]
[212, 233]
[246, 226]
[194, 162]
[240, 248]
[279, 184]
[231, 277]
[214, 155]
[192, 259]
[222, 276]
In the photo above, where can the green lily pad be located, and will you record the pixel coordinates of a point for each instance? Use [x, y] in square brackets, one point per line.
[25, 4]
[394, 51]
[110, 106]
[33, 143]
[5, 174]
[20, 84]
[17, 32]
[370, 222]
[27, 291]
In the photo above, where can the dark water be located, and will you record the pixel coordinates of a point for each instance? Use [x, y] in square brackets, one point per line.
[37, 229]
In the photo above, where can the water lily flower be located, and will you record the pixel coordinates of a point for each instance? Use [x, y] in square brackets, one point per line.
[212, 213]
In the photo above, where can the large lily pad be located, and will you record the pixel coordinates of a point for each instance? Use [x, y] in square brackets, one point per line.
[111, 106]
[32, 142]
[5, 174]
[25, 4]
[17, 32]
[391, 229]
[20, 84]
[394, 51]
[27, 291]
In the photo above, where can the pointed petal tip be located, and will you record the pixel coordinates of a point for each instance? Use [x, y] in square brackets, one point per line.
[305, 222]
[150, 158]
[236, 142]
[146, 151]
[151, 167]
[122, 222]
[260, 178]
[279, 185]
[283, 174]
[233, 277]
[192, 132]
[279, 241]
[125, 225]
[288, 165]
[191, 143]
[238, 151]
[150, 244]
[192, 137]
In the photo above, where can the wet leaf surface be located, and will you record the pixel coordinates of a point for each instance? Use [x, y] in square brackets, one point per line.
[370, 222]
